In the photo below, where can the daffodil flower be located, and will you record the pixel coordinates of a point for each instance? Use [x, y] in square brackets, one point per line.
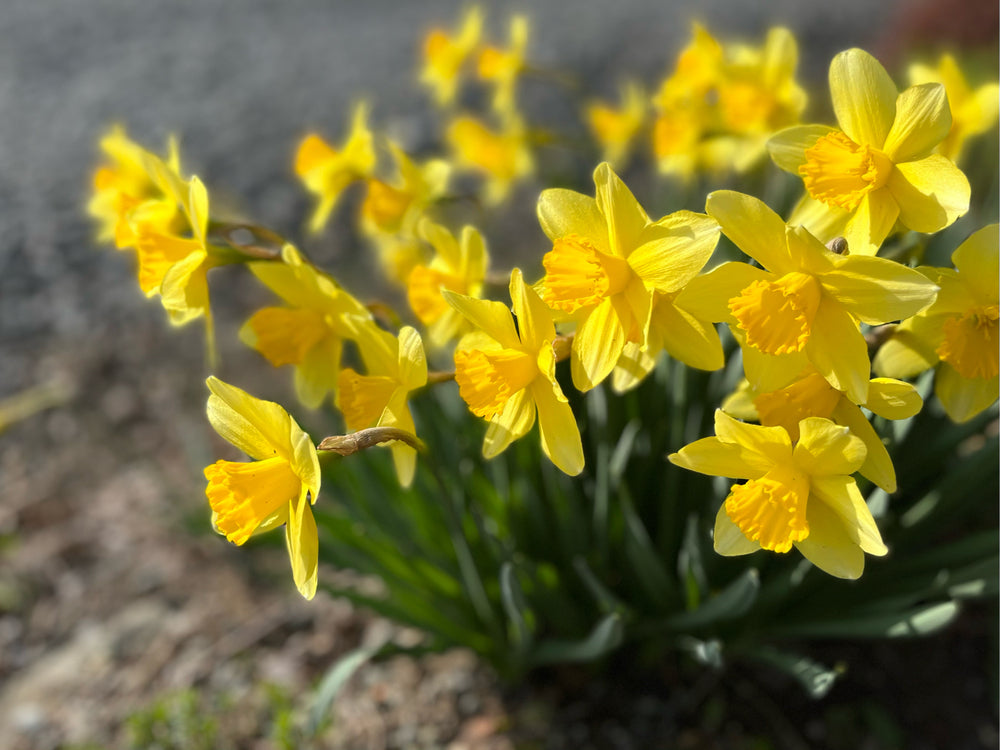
[615, 129]
[502, 156]
[308, 330]
[176, 267]
[459, 266]
[506, 373]
[395, 367]
[607, 261]
[327, 172]
[799, 493]
[973, 111]
[501, 67]
[804, 304]
[673, 329]
[878, 168]
[276, 488]
[721, 103]
[958, 334]
[127, 193]
[391, 211]
[444, 56]
[810, 395]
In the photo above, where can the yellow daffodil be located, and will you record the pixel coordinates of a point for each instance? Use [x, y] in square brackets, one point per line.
[503, 156]
[812, 396]
[391, 211]
[395, 367]
[327, 172]
[607, 261]
[676, 330]
[878, 168]
[973, 111]
[396, 207]
[176, 267]
[799, 493]
[804, 304]
[128, 192]
[308, 331]
[757, 95]
[615, 129]
[445, 55]
[721, 103]
[506, 373]
[501, 67]
[958, 333]
[276, 488]
[459, 266]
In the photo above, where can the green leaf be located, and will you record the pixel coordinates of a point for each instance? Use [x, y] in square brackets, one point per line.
[516, 609]
[606, 601]
[922, 620]
[733, 601]
[814, 677]
[335, 679]
[605, 636]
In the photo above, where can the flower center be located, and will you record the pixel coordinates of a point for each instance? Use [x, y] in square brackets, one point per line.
[363, 398]
[746, 107]
[243, 495]
[970, 343]
[486, 380]
[578, 275]
[771, 510]
[385, 205]
[839, 172]
[777, 315]
[423, 291]
[286, 335]
[810, 396]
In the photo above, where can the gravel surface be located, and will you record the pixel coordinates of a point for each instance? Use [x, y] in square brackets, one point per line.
[108, 594]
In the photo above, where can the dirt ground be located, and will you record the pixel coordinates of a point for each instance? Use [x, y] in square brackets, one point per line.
[114, 594]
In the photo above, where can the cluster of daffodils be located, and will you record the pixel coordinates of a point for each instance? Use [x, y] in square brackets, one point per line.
[611, 290]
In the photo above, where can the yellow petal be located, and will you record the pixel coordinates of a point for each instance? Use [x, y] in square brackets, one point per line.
[728, 539]
[597, 345]
[825, 448]
[877, 466]
[261, 429]
[923, 119]
[625, 217]
[514, 422]
[412, 369]
[864, 97]
[907, 353]
[838, 350]
[716, 458]
[245, 495]
[303, 547]
[931, 193]
[769, 372]
[877, 290]
[893, 399]
[787, 147]
[492, 317]
[964, 398]
[694, 342]
[559, 432]
[840, 494]
[564, 212]
[771, 444]
[868, 226]
[753, 227]
[978, 261]
[707, 296]
[684, 242]
[534, 319]
[829, 547]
